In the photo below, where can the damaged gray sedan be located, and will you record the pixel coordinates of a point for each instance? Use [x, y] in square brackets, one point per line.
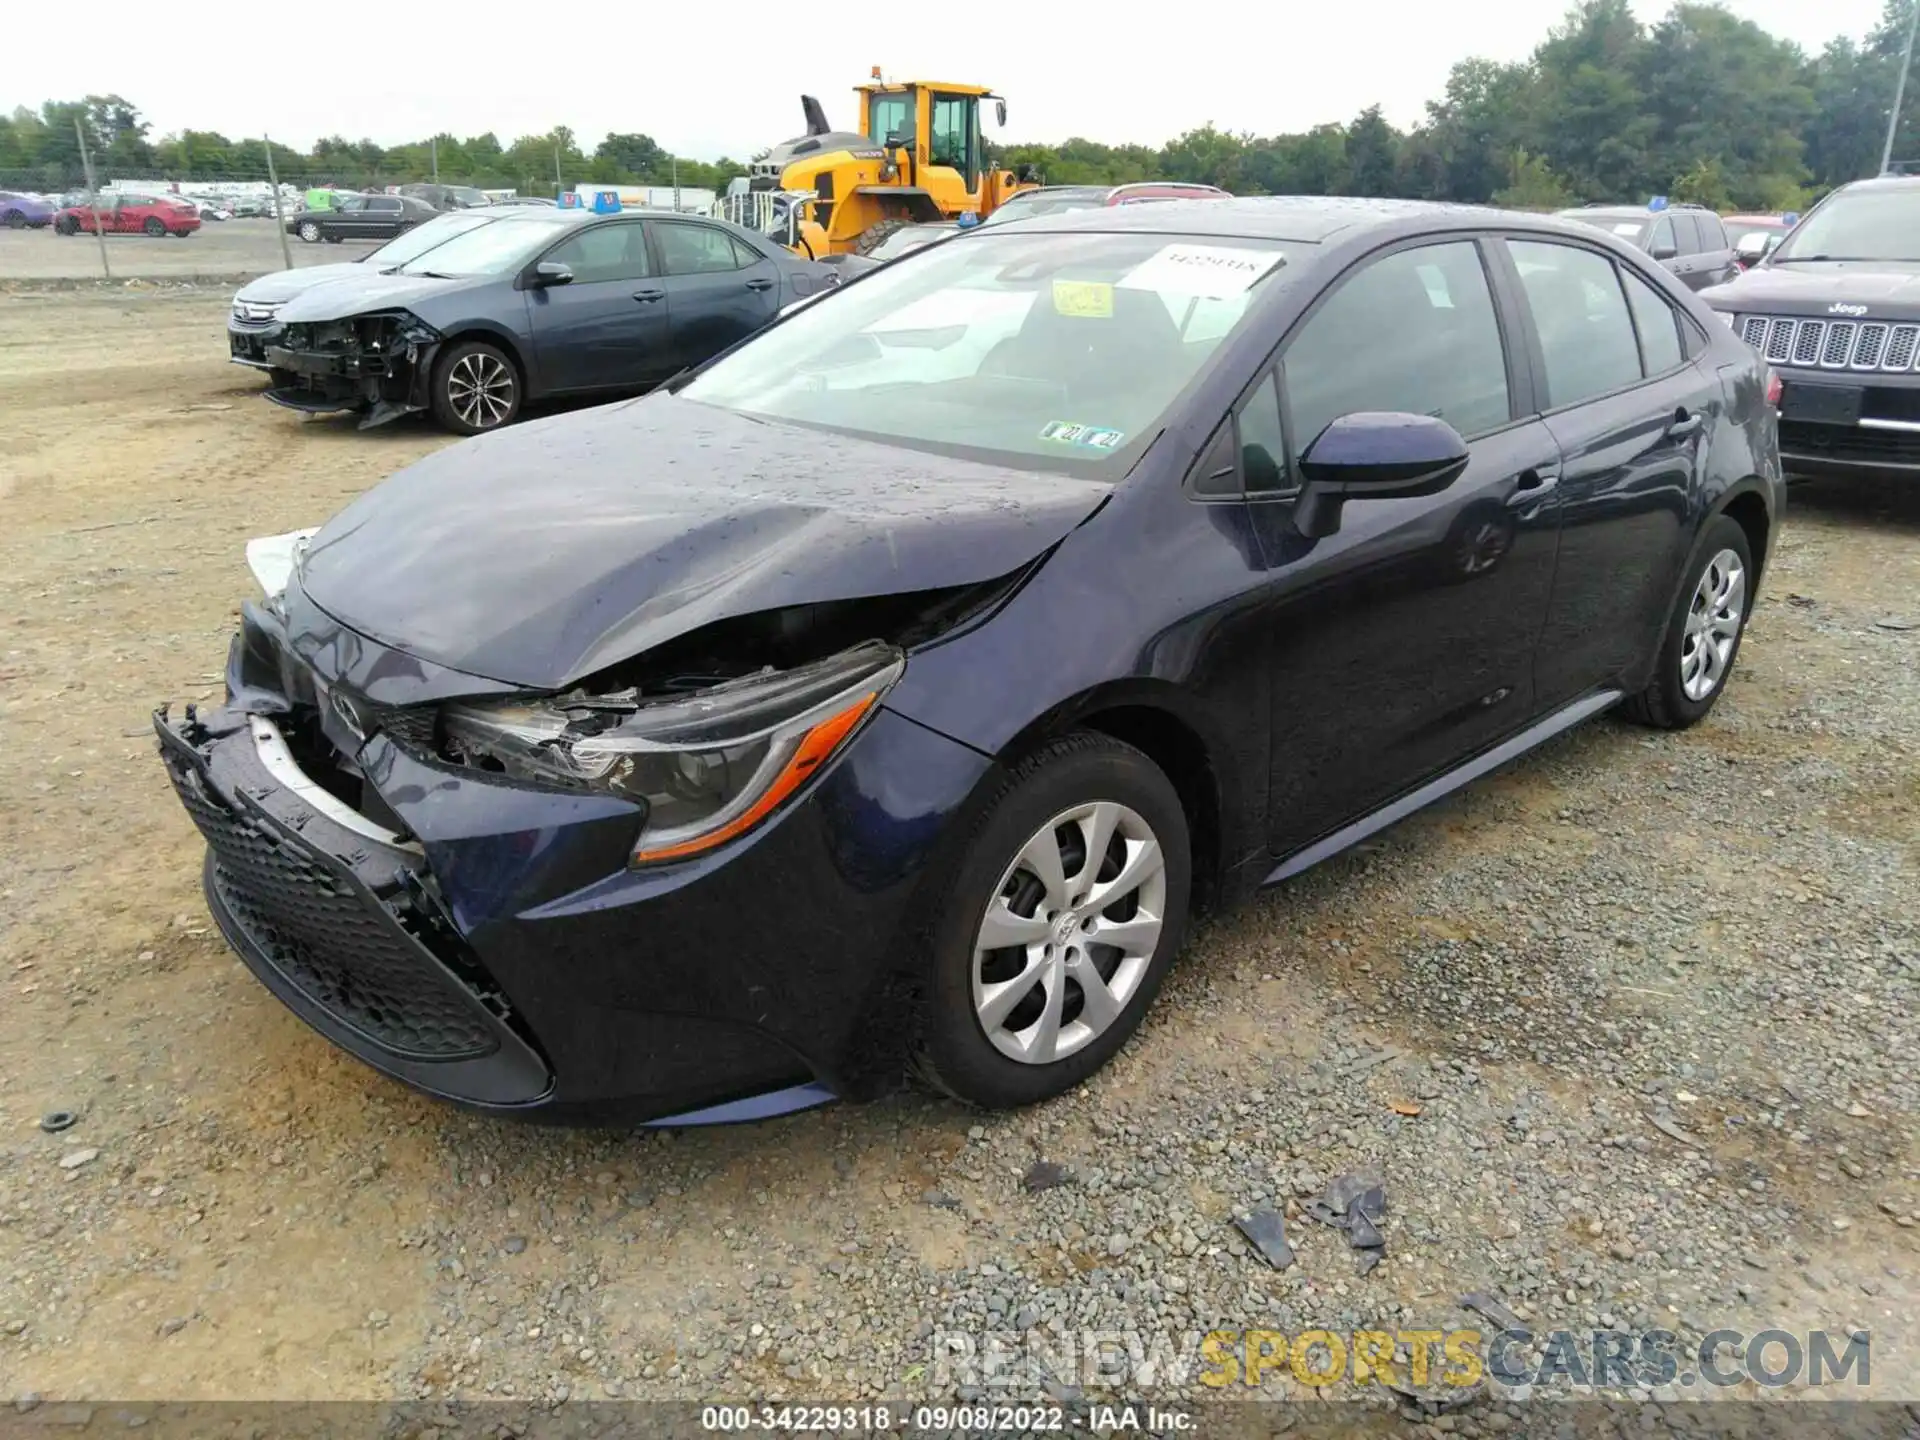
[540, 303]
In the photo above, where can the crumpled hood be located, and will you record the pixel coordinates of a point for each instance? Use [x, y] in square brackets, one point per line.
[369, 290]
[1888, 290]
[284, 285]
[542, 553]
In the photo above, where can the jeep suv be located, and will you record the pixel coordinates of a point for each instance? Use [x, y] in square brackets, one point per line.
[1688, 239]
[1834, 311]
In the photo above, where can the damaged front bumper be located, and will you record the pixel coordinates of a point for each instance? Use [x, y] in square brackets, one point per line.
[489, 942]
[376, 364]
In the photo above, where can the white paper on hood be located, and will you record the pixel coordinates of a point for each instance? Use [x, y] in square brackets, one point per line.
[271, 558]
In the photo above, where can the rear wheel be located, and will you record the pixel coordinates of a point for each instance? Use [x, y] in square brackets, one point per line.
[15, 220]
[1065, 911]
[871, 237]
[475, 388]
[1703, 634]
[309, 232]
[155, 225]
[67, 225]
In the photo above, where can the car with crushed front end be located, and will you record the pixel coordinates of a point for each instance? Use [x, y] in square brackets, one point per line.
[537, 304]
[1835, 310]
[254, 317]
[890, 692]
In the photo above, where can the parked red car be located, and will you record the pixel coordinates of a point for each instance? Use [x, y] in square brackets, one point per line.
[127, 214]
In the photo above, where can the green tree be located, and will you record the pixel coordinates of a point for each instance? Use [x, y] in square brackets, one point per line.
[1532, 185]
[1485, 115]
[1703, 184]
[1592, 121]
[1373, 149]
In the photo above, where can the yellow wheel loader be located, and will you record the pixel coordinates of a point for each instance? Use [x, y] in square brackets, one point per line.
[920, 157]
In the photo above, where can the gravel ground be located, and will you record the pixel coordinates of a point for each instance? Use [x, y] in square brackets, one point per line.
[1626, 1031]
[225, 248]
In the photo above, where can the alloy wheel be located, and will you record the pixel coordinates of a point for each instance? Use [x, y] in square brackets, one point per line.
[480, 390]
[1713, 625]
[1070, 933]
[310, 232]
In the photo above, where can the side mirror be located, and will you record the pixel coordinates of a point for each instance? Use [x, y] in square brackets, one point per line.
[902, 139]
[1374, 455]
[1000, 112]
[1665, 252]
[552, 272]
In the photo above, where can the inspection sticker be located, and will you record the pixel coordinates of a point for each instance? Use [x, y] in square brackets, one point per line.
[1094, 437]
[1083, 299]
[1212, 272]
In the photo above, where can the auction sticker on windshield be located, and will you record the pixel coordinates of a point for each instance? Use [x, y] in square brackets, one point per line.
[1094, 437]
[1213, 272]
[1083, 299]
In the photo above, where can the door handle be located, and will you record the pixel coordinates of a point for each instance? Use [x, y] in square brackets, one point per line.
[760, 284]
[647, 297]
[1532, 486]
[1684, 424]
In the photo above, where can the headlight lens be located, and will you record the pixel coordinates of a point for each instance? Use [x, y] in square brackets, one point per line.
[708, 766]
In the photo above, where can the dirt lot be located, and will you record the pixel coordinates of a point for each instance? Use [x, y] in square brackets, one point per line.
[230, 249]
[1652, 997]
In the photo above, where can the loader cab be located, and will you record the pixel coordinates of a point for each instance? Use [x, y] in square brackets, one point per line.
[944, 122]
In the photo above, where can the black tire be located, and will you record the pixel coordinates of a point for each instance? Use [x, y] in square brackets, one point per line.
[473, 358]
[871, 237]
[333, 239]
[1665, 704]
[66, 225]
[953, 1053]
[15, 220]
[155, 226]
[309, 232]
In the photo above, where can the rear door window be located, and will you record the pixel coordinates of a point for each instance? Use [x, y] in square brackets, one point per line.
[1657, 323]
[1713, 235]
[1580, 314]
[697, 250]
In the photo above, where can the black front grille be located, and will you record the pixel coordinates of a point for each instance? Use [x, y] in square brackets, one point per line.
[1862, 446]
[339, 946]
[412, 726]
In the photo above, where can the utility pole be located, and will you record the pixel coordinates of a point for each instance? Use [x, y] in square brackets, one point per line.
[434, 143]
[558, 183]
[1900, 89]
[93, 196]
[279, 220]
[675, 159]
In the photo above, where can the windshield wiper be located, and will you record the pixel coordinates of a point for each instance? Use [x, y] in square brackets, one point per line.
[1843, 259]
[427, 274]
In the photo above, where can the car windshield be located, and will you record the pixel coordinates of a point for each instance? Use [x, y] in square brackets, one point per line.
[1043, 351]
[1857, 225]
[1041, 202]
[422, 238]
[490, 249]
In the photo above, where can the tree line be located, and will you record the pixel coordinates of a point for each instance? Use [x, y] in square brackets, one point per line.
[1700, 106]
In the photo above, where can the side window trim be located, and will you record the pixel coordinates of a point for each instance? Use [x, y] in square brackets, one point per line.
[1622, 273]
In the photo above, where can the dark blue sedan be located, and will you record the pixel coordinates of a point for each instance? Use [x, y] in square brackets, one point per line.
[889, 695]
[539, 303]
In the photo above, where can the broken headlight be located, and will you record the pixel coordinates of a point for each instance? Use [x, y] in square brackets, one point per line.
[708, 765]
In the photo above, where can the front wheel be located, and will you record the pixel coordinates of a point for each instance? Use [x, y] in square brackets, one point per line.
[870, 239]
[155, 226]
[16, 220]
[1703, 634]
[309, 232]
[475, 388]
[67, 225]
[1064, 913]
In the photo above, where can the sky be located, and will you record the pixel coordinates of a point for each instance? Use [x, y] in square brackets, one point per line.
[706, 81]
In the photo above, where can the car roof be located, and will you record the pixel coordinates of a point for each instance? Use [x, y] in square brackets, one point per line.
[1635, 212]
[1306, 219]
[1885, 182]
